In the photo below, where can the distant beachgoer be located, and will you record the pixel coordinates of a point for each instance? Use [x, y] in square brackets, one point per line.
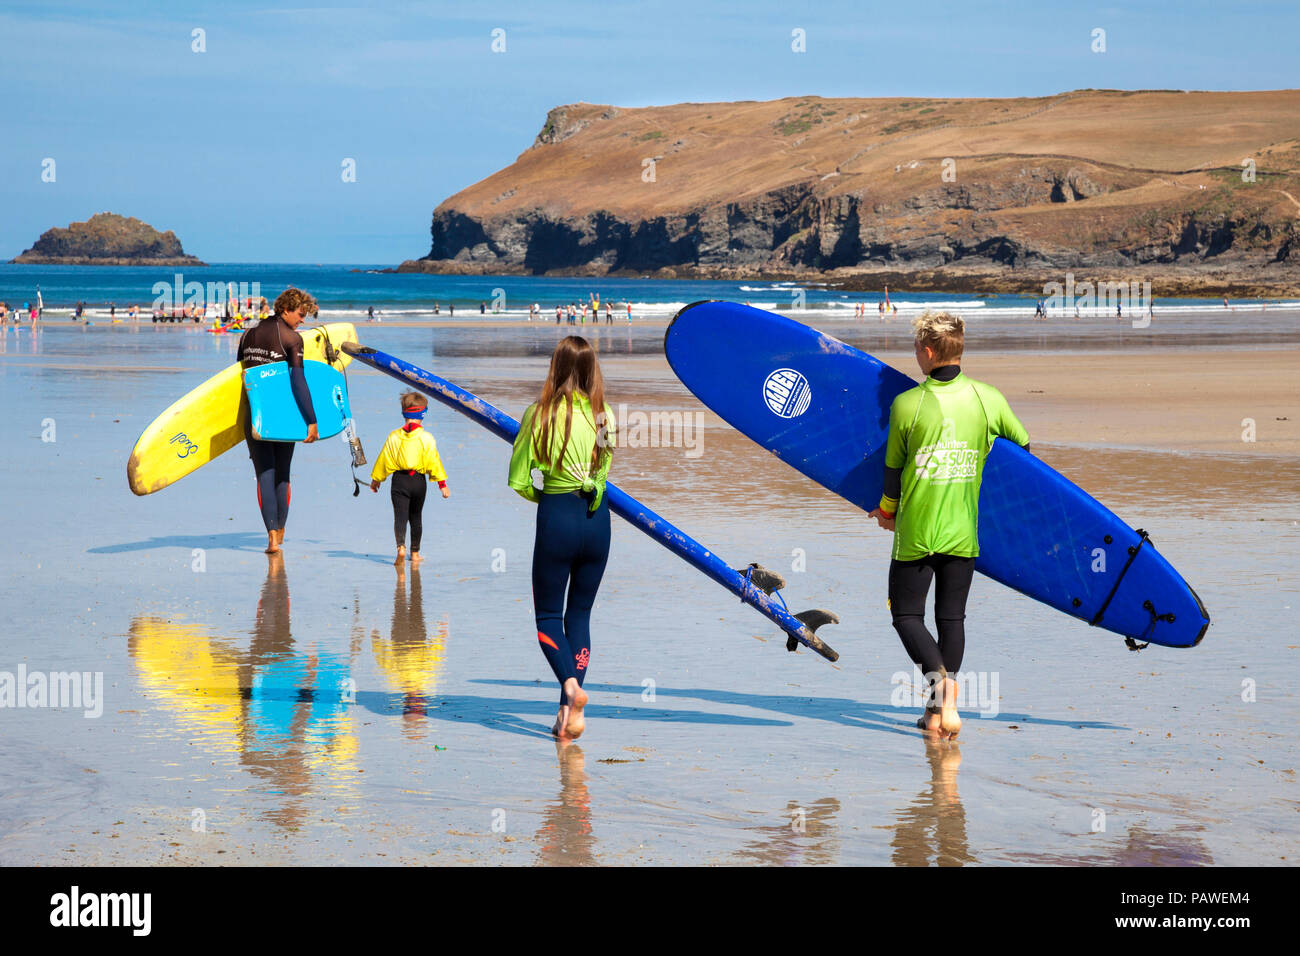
[609, 313]
[1119, 310]
[1225, 301]
[264, 344]
[112, 310]
[558, 314]
[77, 311]
[567, 435]
[895, 310]
[451, 308]
[435, 309]
[370, 314]
[536, 310]
[629, 311]
[409, 454]
[4, 313]
[482, 308]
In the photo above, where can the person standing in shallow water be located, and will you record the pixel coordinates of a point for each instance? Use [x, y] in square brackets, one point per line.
[940, 434]
[272, 341]
[567, 435]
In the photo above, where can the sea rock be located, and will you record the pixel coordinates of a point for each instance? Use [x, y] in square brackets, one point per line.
[108, 239]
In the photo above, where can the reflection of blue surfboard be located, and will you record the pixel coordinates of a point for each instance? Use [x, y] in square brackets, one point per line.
[288, 690]
[273, 413]
[822, 407]
[753, 586]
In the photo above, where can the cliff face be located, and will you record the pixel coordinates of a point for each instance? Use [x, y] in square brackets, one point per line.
[108, 239]
[1101, 179]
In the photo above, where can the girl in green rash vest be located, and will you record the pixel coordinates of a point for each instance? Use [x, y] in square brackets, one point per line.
[940, 434]
[572, 446]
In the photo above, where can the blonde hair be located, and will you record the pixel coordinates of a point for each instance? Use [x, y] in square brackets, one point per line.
[941, 332]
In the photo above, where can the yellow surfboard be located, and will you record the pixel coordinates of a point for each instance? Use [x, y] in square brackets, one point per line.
[208, 421]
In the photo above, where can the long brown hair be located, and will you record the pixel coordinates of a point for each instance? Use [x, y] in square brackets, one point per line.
[573, 369]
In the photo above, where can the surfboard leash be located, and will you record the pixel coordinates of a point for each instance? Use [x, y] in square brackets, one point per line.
[349, 430]
[771, 583]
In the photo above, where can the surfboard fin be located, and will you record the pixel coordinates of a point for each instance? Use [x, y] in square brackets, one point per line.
[811, 619]
[765, 580]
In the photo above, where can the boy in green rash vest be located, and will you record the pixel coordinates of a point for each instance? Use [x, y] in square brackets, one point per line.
[940, 434]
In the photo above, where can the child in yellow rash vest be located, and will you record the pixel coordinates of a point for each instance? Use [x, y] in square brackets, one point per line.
[408, 455]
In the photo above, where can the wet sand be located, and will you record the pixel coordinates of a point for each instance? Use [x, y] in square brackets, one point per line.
[293, 711]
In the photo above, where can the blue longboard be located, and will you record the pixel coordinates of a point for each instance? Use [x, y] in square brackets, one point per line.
[754, 586]
[273, 412]
[822, 407]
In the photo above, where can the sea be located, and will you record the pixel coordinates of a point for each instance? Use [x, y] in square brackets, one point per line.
[345, 291]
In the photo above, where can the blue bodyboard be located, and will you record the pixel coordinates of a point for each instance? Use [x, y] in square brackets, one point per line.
[273, 412]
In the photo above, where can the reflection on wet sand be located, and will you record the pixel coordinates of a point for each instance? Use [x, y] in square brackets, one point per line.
[1141, 847]
[565, 834]
[810, 837]
[282, 713]
[931, 831]
[410, 659]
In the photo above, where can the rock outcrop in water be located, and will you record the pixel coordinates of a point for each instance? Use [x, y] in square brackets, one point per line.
[1198, 190]
[108, 239]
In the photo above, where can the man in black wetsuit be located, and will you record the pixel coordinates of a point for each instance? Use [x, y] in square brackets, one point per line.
[275, 340]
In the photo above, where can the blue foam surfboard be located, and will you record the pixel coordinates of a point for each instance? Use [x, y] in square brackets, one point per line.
[822, 407]
[801, 627]
[273, 412]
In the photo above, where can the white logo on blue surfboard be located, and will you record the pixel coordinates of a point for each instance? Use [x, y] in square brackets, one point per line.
[787, 393]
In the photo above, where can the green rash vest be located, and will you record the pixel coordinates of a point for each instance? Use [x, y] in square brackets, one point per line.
[940, 434]
[573, 472]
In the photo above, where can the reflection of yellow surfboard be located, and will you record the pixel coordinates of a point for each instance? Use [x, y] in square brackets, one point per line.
[208, 421]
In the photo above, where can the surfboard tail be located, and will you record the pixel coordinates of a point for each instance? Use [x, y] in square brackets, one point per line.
[811, 620]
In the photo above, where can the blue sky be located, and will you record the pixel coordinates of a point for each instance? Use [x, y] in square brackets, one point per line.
[239, 149]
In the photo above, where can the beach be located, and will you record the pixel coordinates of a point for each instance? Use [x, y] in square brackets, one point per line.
[326, 708]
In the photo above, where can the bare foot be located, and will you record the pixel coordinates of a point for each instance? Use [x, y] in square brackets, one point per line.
[560, 728]
[401, 554]
[949, 720]
[577, 722]
[272, 545]
[930, 723]
[415, 557]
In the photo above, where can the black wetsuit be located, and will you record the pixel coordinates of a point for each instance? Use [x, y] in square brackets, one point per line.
[273, 341]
